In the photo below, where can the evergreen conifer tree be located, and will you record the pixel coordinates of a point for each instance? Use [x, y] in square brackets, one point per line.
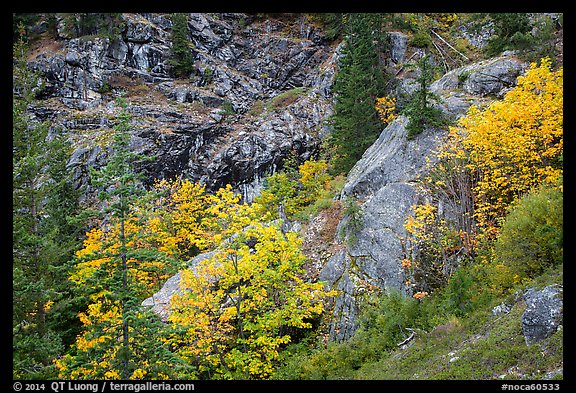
[182, 59]
[360, 80]
[43, 239]
[420, 109]
[121, 339]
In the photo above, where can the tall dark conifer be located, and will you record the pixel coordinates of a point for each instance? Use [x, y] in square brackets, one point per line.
[360, 80]
[42, 238]
[182, 59]
[121, 338]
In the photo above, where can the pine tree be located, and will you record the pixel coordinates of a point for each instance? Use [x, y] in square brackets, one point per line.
[182, 59]
[360, 80]
[420, 109]
[43, 239]
[120, 338]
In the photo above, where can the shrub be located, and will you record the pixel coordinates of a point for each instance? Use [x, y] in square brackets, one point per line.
[531, 239]
[466, 291]
[383, 326]
[420, 39]
[298, 193]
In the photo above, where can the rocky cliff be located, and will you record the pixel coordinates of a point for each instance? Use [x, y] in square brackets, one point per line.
[384, 182]
[260, 91]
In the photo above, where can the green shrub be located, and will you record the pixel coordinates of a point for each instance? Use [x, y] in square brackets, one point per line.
[384, 325]
[466, 291]
[420, 39]
[531, 239]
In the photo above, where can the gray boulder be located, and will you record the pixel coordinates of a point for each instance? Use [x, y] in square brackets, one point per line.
[160, 301]
[543, 314]
[487, 77]
[398, 46]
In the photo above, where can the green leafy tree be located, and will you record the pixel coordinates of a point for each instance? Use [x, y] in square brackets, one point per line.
[512, 31]
[360, 80]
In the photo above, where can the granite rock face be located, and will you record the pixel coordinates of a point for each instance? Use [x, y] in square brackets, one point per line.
[384, 184]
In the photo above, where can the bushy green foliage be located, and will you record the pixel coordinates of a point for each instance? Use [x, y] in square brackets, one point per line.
[466, 291]
[420, 39]
[383, 325]
[296, 194]
[456, 337]
[385, 321]
[531, 239]
[512, 31]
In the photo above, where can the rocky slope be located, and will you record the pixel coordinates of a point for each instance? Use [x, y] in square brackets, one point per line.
[260, 91]
[384, 182]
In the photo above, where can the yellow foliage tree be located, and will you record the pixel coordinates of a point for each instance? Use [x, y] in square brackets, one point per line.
[177, 225]
[385, 107]
[487, 163]
[514, 144]
[115, 271]
[241, 306]
[429, 243]
[504, 150]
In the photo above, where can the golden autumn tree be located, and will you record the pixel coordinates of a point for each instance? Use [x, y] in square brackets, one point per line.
[178, 225]
[497, 154]
[514, 144]
[189, 220]
[385, 107]
[487, 163]
[239, 307]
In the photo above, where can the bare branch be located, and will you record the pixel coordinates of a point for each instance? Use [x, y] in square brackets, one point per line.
[412, 335]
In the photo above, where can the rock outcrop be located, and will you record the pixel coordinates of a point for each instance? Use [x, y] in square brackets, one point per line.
[384, 183]
[260, 91]
[543, 315]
